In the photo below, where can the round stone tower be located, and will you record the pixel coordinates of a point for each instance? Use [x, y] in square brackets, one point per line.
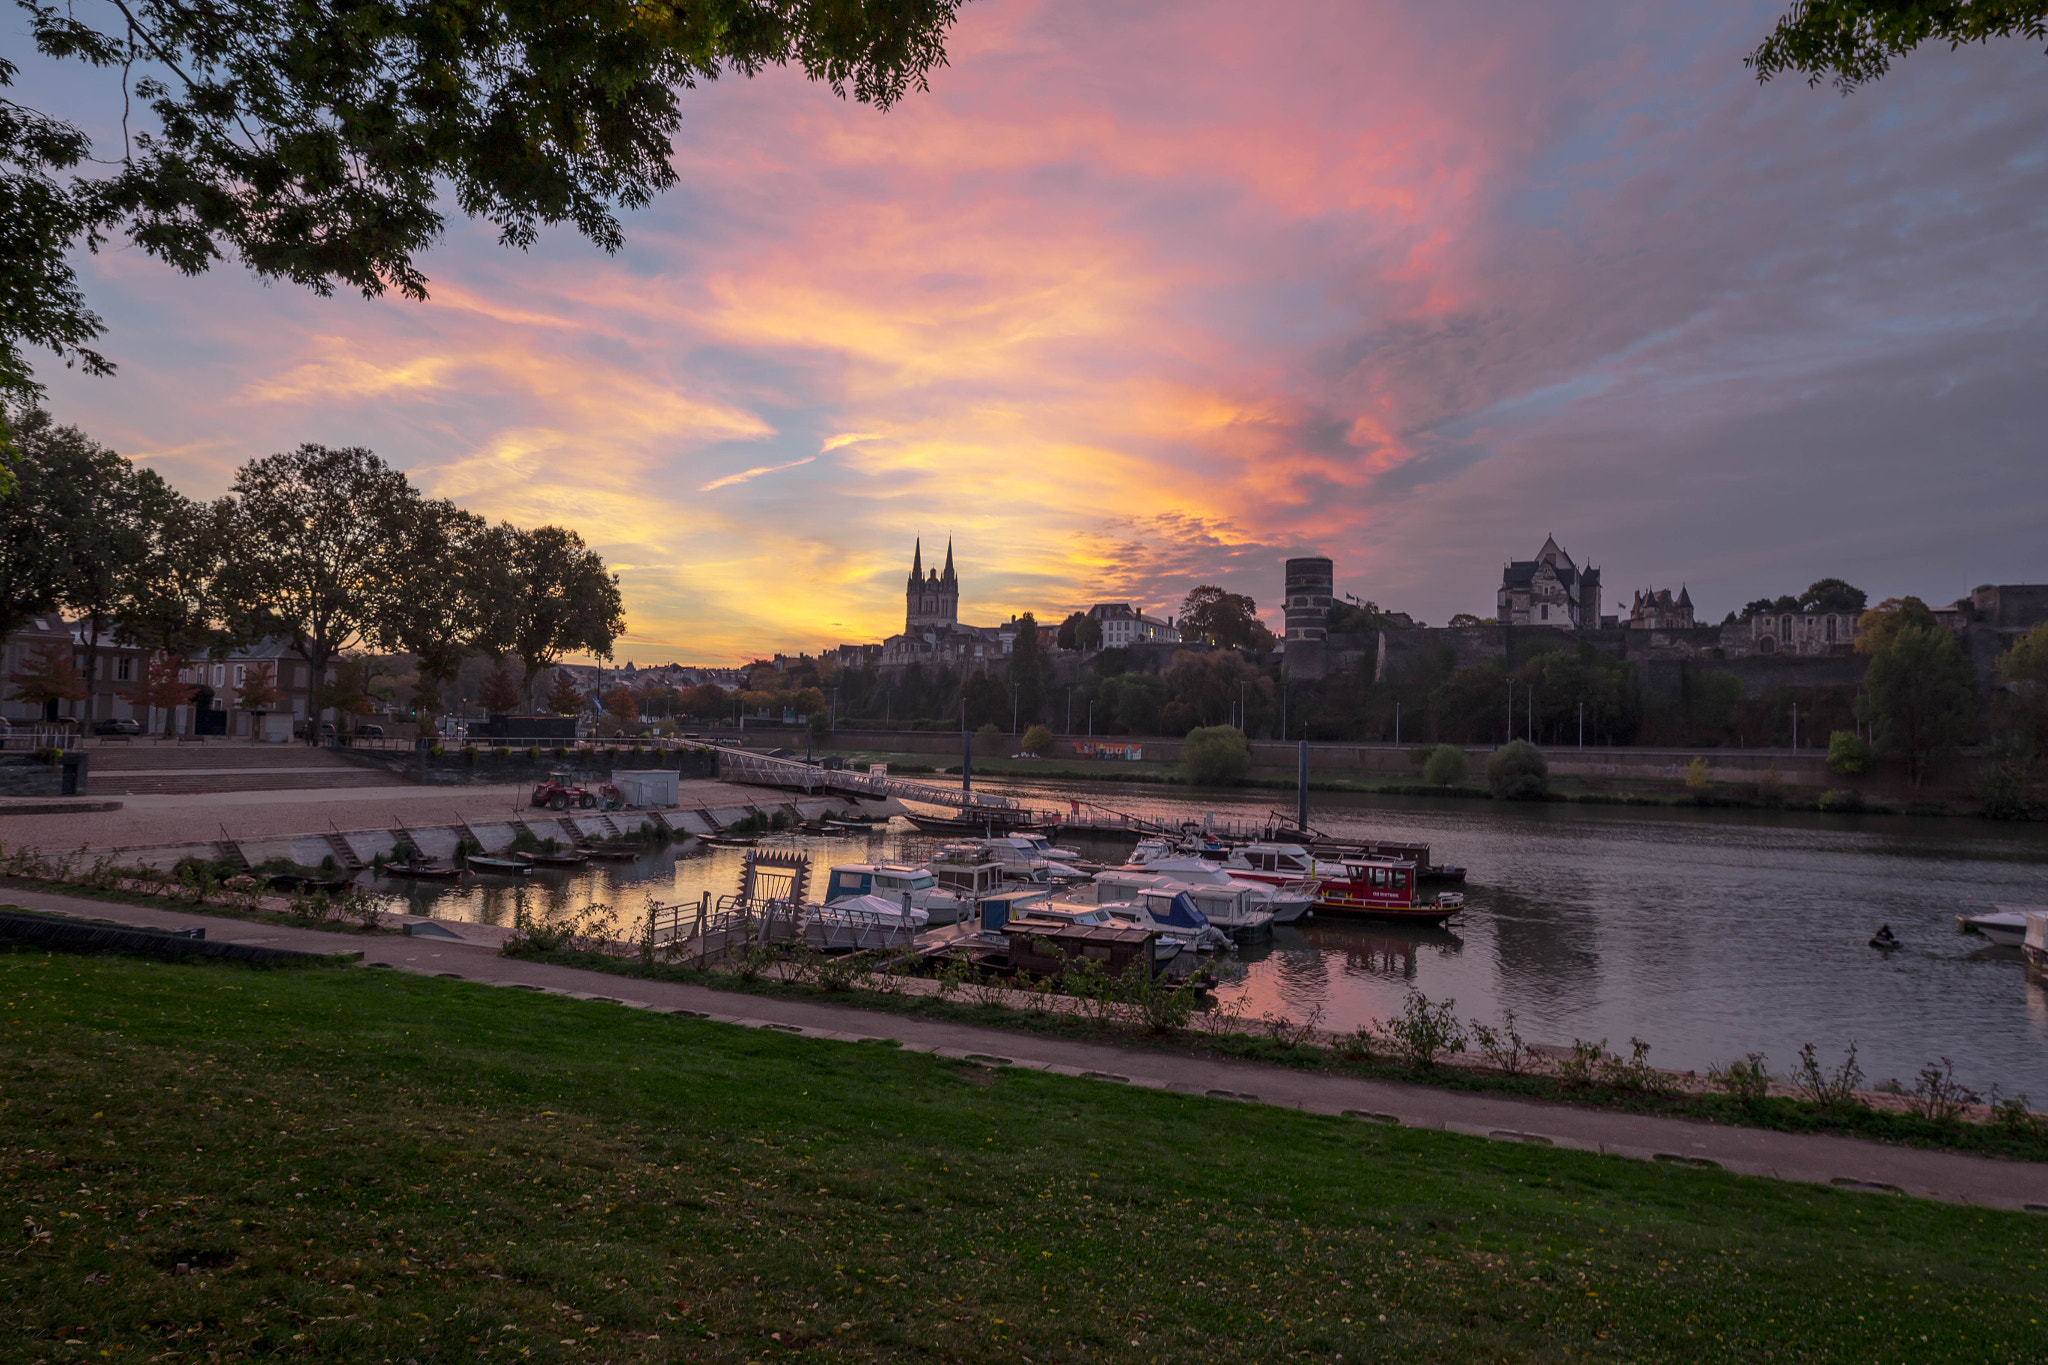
[1311, 588]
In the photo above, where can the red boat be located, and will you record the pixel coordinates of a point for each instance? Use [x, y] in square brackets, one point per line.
[1381, 888]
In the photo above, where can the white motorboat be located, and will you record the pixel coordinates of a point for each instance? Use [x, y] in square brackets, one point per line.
[914, 887]
[2006, 928]
[1233, 908]
[1020, 860]
[863, 922]
[1174, 913]
[1284, 903]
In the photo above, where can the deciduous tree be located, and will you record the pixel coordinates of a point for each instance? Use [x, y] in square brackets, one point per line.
[1228, 620]
[1832, 594]
[565, 698]
[50, 675]
[1876, 628]
[258, 694]
[563, 601]
[1215, 755]
[1851, 42]
[318, 549]
[161, 686]
[499, 692]
[1918, 696]
[1080, 631]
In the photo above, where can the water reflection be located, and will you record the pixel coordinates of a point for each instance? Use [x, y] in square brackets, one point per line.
[1709, 933]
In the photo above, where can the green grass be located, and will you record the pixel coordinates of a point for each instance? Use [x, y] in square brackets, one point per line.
[365, 1166]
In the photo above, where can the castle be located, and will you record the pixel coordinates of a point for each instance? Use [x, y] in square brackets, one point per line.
[932, 633]
[1549, 590]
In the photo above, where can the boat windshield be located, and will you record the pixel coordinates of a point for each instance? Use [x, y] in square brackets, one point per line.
[920, 881]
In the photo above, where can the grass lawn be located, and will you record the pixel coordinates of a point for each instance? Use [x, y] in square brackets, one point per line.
[365, 1166]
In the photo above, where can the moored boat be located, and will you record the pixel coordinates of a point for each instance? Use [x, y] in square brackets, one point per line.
[1382, 889]
[564, 858]
[504, 867]
[423, 872]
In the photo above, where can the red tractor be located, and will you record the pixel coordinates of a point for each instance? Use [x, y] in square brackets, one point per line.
[557, 794]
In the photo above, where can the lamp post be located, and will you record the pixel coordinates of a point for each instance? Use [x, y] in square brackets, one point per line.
[1091, 718]
[1397, 725]
[1070, 712]
[1014, 694]
[1582, 725]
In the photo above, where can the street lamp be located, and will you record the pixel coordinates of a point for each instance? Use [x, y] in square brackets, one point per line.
[1091, 718]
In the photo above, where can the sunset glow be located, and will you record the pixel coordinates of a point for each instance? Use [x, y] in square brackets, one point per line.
[1145, 295]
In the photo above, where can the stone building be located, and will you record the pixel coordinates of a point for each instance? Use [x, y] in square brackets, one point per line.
[1311, 591]
[1656, 609]
[1549, 590]
[1123, 626]
[932, 633]
[1805, 633]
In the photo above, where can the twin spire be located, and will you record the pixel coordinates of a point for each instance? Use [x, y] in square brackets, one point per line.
[917, 575]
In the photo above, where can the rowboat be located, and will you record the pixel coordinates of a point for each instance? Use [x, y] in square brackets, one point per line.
[567, 858]
[507, 867]
[426, 872]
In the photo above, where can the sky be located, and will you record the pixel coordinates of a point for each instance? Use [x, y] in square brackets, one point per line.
[1146, 295]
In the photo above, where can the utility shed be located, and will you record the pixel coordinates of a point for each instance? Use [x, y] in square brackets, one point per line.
[654, 788]
[1046, 949]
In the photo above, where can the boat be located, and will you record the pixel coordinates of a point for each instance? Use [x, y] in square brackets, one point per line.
[861, 922]
[505, 867]
[1062, 916]
[1375, 888]
[1242, 910]
[1019, 858]
[983, 822]
[732, 840]
[1286, 902]
[1173, 913]
[2005, 928]
[613, 853]
[564, 858]
[899, 884]
[423, 872]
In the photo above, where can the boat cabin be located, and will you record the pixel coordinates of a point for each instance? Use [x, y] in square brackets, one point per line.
[877, 879]
[969, 879]
[1045, 948]
[1396, 851]
[1286, 860]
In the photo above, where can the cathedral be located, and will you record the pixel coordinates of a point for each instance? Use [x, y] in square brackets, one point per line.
[930, 601]
[932, 633]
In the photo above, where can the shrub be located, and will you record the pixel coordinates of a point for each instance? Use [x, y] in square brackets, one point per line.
[988, 734]
[1037, 740]
[1583, 1065]
[1841, 800]
[1849, 755]
[2009, 791]
[1699, 774]
[1215, 755]
[1503, 1048]
[1938, 1096]
[502, 751]
[1445, 766]
[1425, 1031]
[1771, 791]
[1516, 771]
[1745, 1081]
[1831, 1090]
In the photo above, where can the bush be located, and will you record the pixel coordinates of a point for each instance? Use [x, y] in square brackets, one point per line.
[2009, 791]
[988, 735]
[1833, 1091]
[1215, 755]
[1426, 1031]
[1745, 1081]
[1849, 755]
[1445, 766]
[1516, 771]
[1699, 776]
[1839, 799]
[1037, 740]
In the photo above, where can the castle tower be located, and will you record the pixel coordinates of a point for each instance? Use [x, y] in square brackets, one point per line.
[1311, 588]
[931, 599]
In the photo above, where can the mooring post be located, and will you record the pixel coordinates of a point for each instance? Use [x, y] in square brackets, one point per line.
[1301, 788]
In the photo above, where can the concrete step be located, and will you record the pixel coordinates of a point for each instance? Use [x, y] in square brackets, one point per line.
[228, 780]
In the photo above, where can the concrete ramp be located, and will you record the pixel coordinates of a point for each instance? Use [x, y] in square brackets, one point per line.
[495, 835]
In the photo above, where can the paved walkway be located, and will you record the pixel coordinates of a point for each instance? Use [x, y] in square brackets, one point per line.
[1948, 1176]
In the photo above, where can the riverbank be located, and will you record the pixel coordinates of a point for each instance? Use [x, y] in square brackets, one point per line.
[1846, 797]
[349, 1164]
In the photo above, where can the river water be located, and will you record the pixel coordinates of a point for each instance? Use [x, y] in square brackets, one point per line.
[1708, 934]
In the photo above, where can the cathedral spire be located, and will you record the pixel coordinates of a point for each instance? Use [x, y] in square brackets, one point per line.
[917, 562]
[947, 576]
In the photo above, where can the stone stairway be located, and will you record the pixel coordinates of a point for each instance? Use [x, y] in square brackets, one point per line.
[147, 768]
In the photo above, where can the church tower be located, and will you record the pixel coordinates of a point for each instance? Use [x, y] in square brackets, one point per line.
[931, 600]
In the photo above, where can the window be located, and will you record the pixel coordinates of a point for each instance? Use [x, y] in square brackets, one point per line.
[1785, 629]
[220, 675]
[1546, 613]
[124, 669]
[1763, 646]
[1831, 630]
[241, 675]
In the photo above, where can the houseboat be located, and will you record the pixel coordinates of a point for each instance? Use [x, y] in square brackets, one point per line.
[915, 887]
[1381, 888]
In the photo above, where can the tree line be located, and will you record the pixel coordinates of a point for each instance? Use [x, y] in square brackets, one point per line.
[332, 550]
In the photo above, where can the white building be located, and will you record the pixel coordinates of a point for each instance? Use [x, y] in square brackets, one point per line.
[1123, 626]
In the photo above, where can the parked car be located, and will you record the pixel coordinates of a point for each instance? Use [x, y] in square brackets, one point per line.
[114, 726]
[369, 732]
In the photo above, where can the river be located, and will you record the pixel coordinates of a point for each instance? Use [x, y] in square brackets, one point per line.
[1708, 934]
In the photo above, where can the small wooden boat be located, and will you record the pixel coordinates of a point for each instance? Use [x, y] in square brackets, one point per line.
[566, 858]
[732, 840]
[287, 881]
[426, 872]
[508, 867]
[613, 853]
